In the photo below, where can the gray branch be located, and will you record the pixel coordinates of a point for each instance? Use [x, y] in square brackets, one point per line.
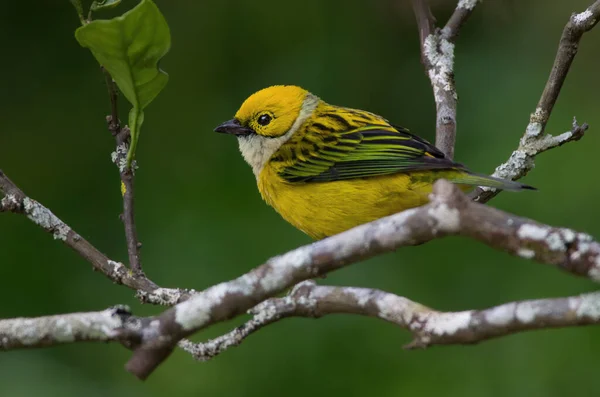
[449, 213]
[437, 56]
[114, 324]
[429, 327]
[535, 140]
[463, 11]
[16, 201]
[127, 174]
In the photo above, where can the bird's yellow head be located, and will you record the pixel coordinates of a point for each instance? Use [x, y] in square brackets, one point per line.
[267, 119]
[271, 112]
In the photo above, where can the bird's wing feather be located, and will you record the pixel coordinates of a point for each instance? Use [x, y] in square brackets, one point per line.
[335, 152]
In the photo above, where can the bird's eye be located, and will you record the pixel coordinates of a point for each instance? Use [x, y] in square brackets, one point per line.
[264, 119]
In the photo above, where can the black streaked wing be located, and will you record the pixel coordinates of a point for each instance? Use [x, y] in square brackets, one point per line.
[367, 151]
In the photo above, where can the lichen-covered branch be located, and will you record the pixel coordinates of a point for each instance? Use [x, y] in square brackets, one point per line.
[463, 11]
[535, 140]
[16, 201]
[114, 324]
[437, 56]
[449, 213]
[425, 24]
[428, 326]
[119, 157]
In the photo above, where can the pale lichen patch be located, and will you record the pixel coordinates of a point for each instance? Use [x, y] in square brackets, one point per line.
[196, 311]
[27, 332]
[44, 218]
[445, 218]
[594, 272]
[119, 157]
[266, 311]
[296, 258]
[532, 232]
[193, 313]
[526, 253]
[447, 323]
[589, 307]
[467, 4]
[8, 201]
[394, 308]
[539, 116]
[307, 302]
[568, 235]
[583, 247]
[439, 52]
[63, 331]
[165, 296]
[500, 315]
[282, 266]
[517, 164]
[582, 17]
[361, 295]
[526, 312]
[533, 131]
[118, 267]
[555, 242]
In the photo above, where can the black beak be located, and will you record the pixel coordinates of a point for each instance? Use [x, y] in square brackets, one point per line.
[234, 127]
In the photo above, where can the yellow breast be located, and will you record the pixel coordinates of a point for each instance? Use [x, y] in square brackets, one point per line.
[322, 209]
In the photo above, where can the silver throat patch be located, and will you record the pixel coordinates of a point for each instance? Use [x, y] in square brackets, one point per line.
[257, 149]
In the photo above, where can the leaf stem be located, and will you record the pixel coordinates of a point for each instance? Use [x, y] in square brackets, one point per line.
[79, 9]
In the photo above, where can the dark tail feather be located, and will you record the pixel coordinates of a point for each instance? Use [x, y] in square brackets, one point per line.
[490, 181]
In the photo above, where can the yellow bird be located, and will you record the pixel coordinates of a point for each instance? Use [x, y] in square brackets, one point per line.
[327, 168]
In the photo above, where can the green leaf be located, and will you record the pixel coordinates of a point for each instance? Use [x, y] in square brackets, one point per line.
[104, 5]
[130, 47]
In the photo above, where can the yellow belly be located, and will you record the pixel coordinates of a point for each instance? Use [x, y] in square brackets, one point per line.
[322, 209]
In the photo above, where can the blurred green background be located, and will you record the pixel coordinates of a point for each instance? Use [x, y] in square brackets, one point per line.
[202, 221]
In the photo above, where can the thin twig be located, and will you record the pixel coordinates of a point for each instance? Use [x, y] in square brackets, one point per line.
[123, 137]
[16, 201]
[429, 327]
[114, 124]
[462, 12]
[449, 213]
[426, 26]
[535, 140]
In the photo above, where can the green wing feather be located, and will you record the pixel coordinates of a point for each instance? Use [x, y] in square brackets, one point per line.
[348, 144]
[341, 144]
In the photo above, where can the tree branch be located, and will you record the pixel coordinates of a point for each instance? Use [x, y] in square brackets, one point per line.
[429, 327]
[462, 12]
[535, 140]
[449, 213]
[16, 201]
[114, 324]
[119, 157]
[426, 25]
[437, 56]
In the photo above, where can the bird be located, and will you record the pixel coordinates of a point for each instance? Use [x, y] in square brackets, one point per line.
[326, 169]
